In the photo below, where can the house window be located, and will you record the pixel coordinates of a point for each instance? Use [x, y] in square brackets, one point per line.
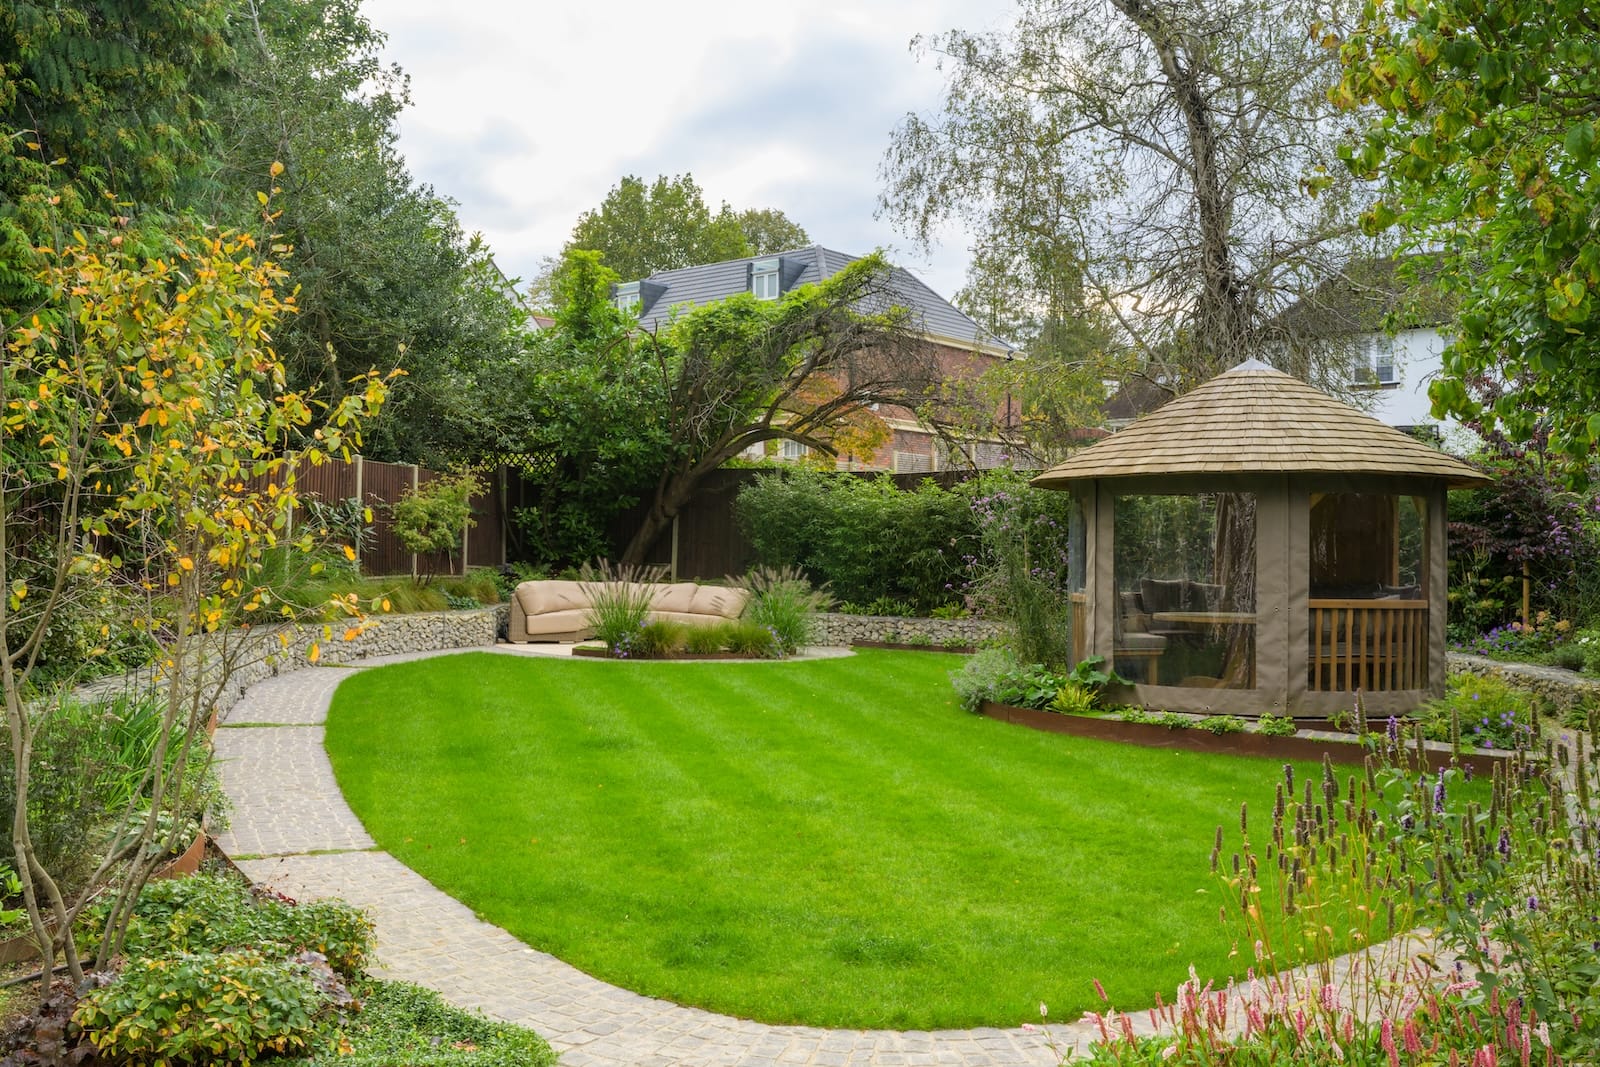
[793, 450]
[627, 298]
[1376, 362]
[764, 279]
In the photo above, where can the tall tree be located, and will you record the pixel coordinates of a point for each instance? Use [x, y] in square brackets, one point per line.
[641, 229]
[810, 367]
[767, 230]
[607, 415]
[1487, 142]
[387, 279]
[96, 98]
[1165, 154]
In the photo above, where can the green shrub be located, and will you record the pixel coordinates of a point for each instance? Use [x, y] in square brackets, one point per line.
[619, 601]
[87, 774]
[1221, 724]
[208, 913]
[872, 544]
[1277, 726]
[400, 1023]
[784, 602]
[1486, 712]
[228, 1007]
[433, 517]
[1571, 656]
[1174, 720]
[752, 639]
[1589, 642]
[980, 677]
[1073, 699]
[659, 638]
[1020, 573]
[705, 640]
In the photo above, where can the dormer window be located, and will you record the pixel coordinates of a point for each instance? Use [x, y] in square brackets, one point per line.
[764, 279]
[627, 298]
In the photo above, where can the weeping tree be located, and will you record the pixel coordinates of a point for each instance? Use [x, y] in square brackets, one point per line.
[1171, 167]
[812, 367]
[142, 444]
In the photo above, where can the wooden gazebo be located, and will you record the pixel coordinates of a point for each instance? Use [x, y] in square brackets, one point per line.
[1257, 546]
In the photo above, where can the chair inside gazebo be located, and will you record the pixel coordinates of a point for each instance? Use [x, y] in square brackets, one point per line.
[1185, 568]
[1368, 625]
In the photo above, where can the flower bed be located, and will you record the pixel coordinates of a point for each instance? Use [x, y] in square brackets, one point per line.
[1305, 745]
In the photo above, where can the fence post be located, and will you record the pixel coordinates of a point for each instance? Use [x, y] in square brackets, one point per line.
[415, 485]
[504, 515]
[361, 503]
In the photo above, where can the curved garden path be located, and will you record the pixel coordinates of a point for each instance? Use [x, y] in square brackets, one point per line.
[292, 830]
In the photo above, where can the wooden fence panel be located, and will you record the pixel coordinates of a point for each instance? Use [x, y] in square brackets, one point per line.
[382, 485]
[486, 542]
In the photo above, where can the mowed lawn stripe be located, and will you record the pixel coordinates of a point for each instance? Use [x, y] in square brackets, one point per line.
[831, 842]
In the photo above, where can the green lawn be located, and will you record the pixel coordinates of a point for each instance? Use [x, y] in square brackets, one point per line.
[831, 842]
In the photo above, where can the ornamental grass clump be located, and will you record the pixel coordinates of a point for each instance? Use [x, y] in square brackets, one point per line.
[619, 601]
[782, 601]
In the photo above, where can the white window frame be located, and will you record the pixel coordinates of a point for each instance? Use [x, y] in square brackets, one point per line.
[627, 298]
[764, 282]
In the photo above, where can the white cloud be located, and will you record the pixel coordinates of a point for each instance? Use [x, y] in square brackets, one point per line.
[527, 113]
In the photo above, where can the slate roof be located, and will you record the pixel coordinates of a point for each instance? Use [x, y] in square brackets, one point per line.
[1255, 419]
[666, 290]
[1364, 297]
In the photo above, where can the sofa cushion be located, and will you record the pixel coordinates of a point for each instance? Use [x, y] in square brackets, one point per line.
[540, 597]
[1157, 595]
[677, 597]
[719, 600]
[569, 620]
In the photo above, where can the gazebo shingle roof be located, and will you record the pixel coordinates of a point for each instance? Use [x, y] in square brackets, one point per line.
[1255, 419]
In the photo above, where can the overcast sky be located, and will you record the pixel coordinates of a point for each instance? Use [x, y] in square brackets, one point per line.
[527, 112]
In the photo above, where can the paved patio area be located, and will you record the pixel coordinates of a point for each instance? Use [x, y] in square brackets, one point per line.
[291, 829]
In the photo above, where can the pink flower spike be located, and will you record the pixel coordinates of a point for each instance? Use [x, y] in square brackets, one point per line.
[1098, 988]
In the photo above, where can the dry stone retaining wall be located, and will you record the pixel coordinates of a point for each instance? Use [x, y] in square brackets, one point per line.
[271, 650]
[1561, 688]
[838, 629]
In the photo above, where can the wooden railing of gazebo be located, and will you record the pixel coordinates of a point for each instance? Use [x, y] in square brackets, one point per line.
[1374, 645]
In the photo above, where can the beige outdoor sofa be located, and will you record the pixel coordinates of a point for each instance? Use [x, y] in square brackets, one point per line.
[559, 611]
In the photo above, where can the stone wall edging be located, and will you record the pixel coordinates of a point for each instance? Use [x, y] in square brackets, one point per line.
[838, 629]
[273, 650]
[1560, 687]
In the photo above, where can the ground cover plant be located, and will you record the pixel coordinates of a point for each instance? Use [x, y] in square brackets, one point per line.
[214, 971]
[831, 841]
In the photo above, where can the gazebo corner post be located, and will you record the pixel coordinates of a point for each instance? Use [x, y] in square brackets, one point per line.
[1101, 573]
[1438, 590]
[1278, 657]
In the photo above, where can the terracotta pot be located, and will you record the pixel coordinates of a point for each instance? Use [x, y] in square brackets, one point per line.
[186, 863]
[17, 949]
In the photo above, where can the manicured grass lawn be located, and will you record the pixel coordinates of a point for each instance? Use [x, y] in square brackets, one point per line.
[831, 842]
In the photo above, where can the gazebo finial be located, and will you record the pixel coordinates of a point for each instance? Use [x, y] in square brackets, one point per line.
[1252, 364]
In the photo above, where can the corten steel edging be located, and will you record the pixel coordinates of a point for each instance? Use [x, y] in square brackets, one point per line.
[1194, 739]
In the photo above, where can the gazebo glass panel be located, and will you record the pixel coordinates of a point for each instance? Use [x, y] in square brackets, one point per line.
[1185, 571]
[1077, 576]
[1369, 592]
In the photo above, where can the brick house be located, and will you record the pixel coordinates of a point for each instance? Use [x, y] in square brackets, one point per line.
[963, 349]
